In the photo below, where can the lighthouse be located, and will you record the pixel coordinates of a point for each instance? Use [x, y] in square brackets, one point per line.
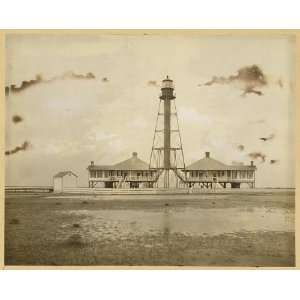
[167, 151]
[167, 95]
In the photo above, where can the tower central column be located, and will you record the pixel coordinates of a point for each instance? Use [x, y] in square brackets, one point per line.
[167, 95]
[167, 133]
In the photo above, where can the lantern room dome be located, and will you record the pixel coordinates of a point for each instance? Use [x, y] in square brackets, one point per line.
[167, 83]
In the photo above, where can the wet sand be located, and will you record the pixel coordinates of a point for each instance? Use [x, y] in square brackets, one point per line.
[254, 229]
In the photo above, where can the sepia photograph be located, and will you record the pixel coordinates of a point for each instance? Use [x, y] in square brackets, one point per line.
[150, 149]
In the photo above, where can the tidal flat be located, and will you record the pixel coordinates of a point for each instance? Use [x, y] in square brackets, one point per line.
[238, 230]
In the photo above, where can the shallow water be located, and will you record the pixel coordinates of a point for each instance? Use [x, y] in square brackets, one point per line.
[231, 230]
[117, 224]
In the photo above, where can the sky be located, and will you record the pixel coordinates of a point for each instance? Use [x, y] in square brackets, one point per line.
[95, 98]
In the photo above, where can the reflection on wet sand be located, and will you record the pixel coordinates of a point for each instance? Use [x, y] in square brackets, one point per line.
[115, 224]
[235, 230]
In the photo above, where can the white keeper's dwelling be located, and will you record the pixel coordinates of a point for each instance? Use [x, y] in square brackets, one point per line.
[64, 179]
[130, 173]
[208, 171]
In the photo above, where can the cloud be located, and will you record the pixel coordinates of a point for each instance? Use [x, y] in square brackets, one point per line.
[273, 161]
[39, 79]
[251, 91]
[250, 77]
[257, 155]
[24, 85]
[72, 75]
[17, 119]
[153, 83]
[270, 137]
[24, 147]
[241, 147]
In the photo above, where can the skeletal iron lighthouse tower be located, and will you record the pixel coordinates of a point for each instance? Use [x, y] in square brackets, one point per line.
[167, 151]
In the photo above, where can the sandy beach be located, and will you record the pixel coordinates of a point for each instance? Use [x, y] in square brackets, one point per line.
[235, 229]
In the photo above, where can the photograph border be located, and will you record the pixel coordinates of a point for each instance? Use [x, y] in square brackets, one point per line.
[196, 32]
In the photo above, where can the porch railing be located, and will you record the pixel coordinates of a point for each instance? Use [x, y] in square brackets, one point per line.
[219, 179]
[121, 178]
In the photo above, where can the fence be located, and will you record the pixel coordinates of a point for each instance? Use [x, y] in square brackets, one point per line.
[29, 189]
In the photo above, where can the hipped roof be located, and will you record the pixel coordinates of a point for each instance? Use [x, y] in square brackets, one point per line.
[207, 163]
[133, 163]
[211, 164]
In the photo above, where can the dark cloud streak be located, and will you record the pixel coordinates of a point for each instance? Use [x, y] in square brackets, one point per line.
[241, 147]
[39, 79]
[17, 119]
[250, 77]
[153, 83]
[24, 147]
[24, 85]
[257, 155]
[270, 137]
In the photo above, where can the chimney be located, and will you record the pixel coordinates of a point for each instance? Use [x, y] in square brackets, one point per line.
[134, 154]
[92, 163]
[207, 154]
[252, 164]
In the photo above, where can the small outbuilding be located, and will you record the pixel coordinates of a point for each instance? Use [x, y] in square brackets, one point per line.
[63, 180]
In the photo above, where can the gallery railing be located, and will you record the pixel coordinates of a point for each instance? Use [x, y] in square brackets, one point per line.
[218, 179]
[121, 178]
